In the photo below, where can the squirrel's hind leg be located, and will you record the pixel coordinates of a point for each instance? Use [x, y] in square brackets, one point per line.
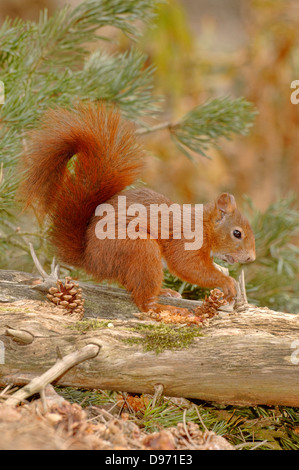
[144, 273]
[144, 278]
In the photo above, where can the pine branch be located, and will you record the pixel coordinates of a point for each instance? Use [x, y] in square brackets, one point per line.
[69, 30]
[124, 79]
[204, 125]
[42, 64]
[8, 187]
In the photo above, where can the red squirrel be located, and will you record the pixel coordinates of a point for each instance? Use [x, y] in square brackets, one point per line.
[82, 158]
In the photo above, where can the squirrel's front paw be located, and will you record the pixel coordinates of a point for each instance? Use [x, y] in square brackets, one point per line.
[229, 289]
[170, 293]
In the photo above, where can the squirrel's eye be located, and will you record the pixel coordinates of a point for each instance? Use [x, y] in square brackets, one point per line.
[237, 233]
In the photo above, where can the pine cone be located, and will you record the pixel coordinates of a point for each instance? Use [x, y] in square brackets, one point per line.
[210, 305]
[68, 296]
[199, 317]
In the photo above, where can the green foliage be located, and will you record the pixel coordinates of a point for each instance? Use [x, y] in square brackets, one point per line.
[86, 398]
[273, 278]
[7, 192]
[122, 78]
[247, 428]
[205, 124]
[167, 414]
[187, 290]
[42, 64]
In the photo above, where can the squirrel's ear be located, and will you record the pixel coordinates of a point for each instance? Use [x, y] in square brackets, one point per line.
[226, 203]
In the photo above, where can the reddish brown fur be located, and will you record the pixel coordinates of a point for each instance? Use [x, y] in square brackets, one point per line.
[107, 160]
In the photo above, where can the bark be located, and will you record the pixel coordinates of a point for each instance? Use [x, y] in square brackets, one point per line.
[245, 357]
[100, 301]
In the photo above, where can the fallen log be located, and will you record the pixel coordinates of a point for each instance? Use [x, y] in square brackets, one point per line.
[244, 357]
[100, 301]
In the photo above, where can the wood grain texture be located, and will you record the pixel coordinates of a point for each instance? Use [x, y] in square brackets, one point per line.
[242, 358]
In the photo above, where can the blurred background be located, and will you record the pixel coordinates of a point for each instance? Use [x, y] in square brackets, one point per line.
[208, 48]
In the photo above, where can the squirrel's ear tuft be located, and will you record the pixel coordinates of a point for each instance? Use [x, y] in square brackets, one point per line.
[226, 203]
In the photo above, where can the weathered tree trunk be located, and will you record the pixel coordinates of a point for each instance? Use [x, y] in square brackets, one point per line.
[245, 357]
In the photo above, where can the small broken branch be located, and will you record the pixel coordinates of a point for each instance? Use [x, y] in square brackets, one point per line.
[62, 365]
[49, 280]
[20, 336]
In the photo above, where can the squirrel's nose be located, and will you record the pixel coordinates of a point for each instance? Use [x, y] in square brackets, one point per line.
[250, 258]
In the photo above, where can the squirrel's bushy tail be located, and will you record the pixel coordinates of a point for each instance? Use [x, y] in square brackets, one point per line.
[75, 161]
